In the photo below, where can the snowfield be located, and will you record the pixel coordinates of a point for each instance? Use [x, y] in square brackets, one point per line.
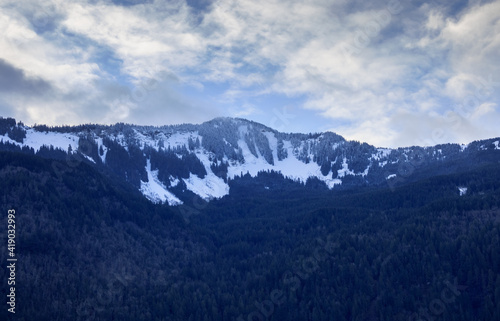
[155, 191]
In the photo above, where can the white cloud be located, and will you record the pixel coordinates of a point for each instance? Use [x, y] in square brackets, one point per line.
[410, 65]
[245, 110]
[470, 45]
[26, 50]
[142, 36]
[435, 21]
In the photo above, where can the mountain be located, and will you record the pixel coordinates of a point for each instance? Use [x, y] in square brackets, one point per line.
[90, 246]
[171, 164]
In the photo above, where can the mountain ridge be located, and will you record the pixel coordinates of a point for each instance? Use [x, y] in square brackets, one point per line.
[102, 251]
[169, 163]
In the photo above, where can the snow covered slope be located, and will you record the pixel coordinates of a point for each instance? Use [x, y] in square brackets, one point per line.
[166, 162]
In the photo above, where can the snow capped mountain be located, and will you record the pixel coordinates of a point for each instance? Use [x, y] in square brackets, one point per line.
[166, 162]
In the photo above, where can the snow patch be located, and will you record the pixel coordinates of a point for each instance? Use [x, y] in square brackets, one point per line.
[36, 140]
[332, 182]
[381, 153]
[496, 144]
[155, 191]
[344, 170]
[100, 143]
[462, 190]
[290, 167]
[367, 169]
[6, 139]
[174, 181]
[89, 158]
[120, 139]
[273, 144]
[391, 176]
[209, 187]
[179, 139]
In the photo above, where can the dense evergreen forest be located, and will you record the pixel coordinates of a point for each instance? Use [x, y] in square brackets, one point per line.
[90, 247]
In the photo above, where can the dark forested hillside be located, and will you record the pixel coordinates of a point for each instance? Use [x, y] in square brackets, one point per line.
[88, 247]
[92, 248]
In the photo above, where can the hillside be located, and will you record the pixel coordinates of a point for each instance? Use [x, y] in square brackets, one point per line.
[92, 248]
[171, 164]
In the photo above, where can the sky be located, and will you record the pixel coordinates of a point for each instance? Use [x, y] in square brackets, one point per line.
[389, 73]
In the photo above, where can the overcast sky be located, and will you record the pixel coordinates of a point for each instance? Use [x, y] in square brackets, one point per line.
[390, 73]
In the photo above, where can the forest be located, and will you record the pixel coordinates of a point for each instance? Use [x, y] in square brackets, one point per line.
[92, 248]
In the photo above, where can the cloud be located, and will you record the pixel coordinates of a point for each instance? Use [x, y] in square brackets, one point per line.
[38, 54]
[244, 111]
[389, 83]
[143, 36]
[166, 104]
[384, 71]
[14, 80]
